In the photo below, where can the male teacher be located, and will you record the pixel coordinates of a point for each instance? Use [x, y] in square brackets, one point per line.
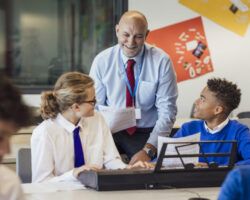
[135, 74]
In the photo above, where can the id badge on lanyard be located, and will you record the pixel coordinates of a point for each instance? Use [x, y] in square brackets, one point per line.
[137, 113]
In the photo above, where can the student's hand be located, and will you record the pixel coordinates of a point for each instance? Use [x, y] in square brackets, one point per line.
[78, 170]
[201, 165]
[141, 164]
[139, 156]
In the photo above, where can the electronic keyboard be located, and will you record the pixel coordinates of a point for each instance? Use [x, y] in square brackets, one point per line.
[187, 175]
[108, 180]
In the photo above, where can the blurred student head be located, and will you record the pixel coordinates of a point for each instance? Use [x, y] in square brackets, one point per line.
[14, 114]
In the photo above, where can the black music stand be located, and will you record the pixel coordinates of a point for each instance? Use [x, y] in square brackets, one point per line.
[190, 166]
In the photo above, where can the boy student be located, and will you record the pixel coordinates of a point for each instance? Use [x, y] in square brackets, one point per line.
[14, 114]
[216, 102]
[73, 137]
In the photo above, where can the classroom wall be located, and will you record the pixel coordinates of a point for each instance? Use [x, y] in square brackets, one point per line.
[229, 51]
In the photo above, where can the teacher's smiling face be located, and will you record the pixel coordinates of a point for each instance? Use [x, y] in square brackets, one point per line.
[131, 33]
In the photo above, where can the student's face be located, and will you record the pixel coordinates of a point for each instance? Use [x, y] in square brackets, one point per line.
[6, 130]
[86, 109]
[131, 35]
[207, 107]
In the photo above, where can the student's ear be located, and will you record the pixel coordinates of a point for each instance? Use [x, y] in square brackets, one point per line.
[75, 107]
[218, 110]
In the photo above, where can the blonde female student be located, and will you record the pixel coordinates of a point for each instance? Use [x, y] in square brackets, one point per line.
[73, 137]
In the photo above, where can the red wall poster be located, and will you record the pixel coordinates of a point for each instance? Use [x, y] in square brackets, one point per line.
[187, 46]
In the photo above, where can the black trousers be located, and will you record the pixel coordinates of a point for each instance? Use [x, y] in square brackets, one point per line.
[131, 144]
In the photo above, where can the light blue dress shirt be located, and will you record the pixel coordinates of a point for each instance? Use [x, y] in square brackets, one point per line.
[157, 88]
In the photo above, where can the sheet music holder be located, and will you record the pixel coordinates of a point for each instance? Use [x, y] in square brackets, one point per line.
[189, 166]
[160, 178]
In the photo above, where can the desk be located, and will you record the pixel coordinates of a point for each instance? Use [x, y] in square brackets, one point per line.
[26, 130]
[166, 194]
[21, 139]
[17, 142]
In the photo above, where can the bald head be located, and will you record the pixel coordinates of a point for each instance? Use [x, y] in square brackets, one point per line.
[131, 33]
[135, 16]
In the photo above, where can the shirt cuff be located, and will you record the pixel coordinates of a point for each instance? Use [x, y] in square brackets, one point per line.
[68, 176]
[153, 140]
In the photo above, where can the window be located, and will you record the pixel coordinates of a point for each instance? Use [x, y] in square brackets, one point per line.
[40, 40]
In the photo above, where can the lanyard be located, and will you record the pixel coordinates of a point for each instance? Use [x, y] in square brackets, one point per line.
[133, 92]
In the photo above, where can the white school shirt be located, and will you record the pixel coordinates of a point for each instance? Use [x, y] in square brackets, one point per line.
[10, 186]
[52, 148]
[217, 128]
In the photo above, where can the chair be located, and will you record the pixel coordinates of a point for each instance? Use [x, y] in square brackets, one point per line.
[245, 121]
[244, 115]
[23, 165]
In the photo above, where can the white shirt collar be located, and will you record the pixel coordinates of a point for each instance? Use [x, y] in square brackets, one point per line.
[67, 125]
[136, 58]
[217, 128]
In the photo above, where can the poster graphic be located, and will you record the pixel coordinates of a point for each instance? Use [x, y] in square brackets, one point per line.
[187, 46]
[233, 15]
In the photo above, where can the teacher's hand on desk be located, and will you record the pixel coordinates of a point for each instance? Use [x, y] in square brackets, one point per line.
[78, 170]
[146, 154]
[140, 156]
[201, 165]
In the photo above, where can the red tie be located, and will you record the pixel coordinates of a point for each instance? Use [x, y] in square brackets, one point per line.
[129, 98]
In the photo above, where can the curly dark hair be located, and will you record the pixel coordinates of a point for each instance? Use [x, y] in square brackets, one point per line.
[226, 92]
[12, 108]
